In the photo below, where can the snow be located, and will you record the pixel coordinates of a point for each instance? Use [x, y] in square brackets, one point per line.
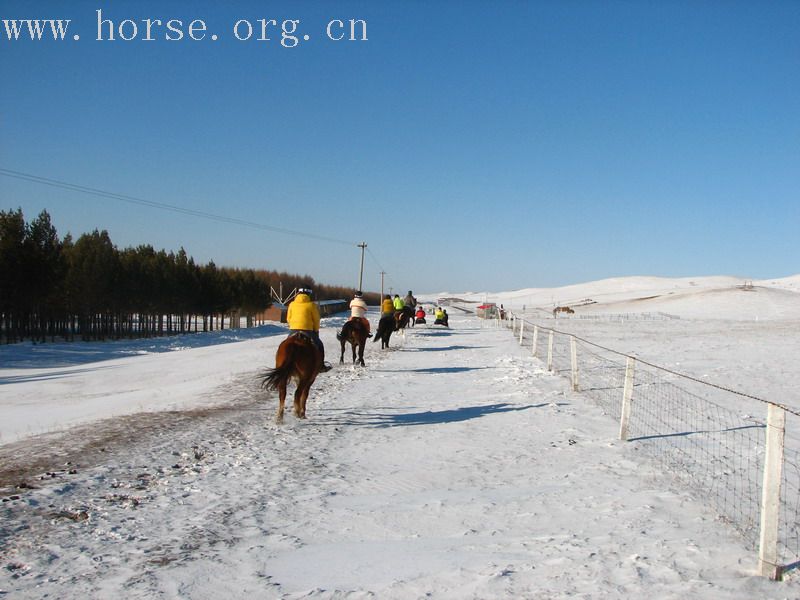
[452, 466]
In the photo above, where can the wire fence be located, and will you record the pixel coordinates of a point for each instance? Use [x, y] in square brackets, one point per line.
[718, 443]
[646, 316]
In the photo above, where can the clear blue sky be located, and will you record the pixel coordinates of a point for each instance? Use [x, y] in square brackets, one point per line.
[472, 145]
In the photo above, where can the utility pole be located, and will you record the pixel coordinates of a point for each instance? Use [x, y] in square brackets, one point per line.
[382, 274]
[362, 245]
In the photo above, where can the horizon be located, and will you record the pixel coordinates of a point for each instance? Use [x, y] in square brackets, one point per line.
[470, 146]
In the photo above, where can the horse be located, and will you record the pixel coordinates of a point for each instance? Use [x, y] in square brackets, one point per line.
[562, 309]
[355, 332]
[386, 326]
[298, 359]
[403, 317]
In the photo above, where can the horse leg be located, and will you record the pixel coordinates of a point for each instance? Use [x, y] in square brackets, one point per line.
[361, 352]
[299, 401]
[341, 358]
[281, 402]
[353, 346]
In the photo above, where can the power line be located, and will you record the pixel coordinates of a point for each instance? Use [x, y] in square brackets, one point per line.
[375, 259]
[163, 206]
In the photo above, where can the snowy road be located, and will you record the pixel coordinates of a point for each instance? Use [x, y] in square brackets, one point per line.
[452, 466]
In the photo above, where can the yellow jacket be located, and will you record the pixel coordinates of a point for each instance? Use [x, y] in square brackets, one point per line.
[387, 306]
[303, 314]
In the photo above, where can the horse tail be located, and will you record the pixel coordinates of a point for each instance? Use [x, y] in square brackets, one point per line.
[282, 372]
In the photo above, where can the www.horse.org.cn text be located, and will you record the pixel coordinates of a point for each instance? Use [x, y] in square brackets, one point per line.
[287, 33]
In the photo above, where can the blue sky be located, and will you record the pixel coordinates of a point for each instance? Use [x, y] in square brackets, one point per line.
[473, 146]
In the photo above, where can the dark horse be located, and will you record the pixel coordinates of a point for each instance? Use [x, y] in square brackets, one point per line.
[356, 333]
[386, 326]
[404, 317]
[299, 359]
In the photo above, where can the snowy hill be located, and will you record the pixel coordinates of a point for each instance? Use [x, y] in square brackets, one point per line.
[719, 297]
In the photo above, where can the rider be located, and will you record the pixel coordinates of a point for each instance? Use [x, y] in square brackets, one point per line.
[409, 300]
[303, 317]
[387, 307]
[420, 314]
[398, 302]
[439, 314]
[358, 310]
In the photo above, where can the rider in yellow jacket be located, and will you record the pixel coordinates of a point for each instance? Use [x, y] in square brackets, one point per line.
[303, 317]
[387, 307]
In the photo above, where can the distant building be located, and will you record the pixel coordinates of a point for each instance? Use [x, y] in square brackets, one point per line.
[277, 312]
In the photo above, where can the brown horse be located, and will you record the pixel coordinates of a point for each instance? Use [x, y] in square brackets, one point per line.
[356, 333]
[403, 317]
[562, 309]
[297, 359]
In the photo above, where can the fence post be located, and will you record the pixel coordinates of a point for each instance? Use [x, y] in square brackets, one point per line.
[535, 336]
[627, 398]
[521, 329]
[550, 351]
[771, 494]
[574, 354]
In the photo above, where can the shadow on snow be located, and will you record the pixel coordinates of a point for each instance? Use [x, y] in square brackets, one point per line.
[368, 419]
[27, 355]
[445, 348]
[434, 370]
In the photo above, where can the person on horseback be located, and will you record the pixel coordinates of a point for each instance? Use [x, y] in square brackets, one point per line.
[358, 310]
[303, 317]
[398, 302]
[387, 307]
[409, 300]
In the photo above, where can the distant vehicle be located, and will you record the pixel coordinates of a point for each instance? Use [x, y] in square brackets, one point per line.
[487, 311]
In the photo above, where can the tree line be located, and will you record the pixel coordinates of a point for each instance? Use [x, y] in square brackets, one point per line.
[88, 289]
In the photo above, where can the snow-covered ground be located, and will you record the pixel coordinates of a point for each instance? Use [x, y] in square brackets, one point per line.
[452, 466]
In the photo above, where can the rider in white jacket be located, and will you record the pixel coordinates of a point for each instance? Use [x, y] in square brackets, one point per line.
[358, 310]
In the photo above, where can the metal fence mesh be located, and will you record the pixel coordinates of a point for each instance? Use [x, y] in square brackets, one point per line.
[690, 429]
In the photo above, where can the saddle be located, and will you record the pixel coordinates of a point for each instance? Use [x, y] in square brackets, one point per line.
[304, 336]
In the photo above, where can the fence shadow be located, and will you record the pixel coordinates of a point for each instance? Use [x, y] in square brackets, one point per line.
[50, 375]
[27, 355]
[699, 432]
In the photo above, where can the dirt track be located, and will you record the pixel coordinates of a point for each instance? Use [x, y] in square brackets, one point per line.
[25, 463]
